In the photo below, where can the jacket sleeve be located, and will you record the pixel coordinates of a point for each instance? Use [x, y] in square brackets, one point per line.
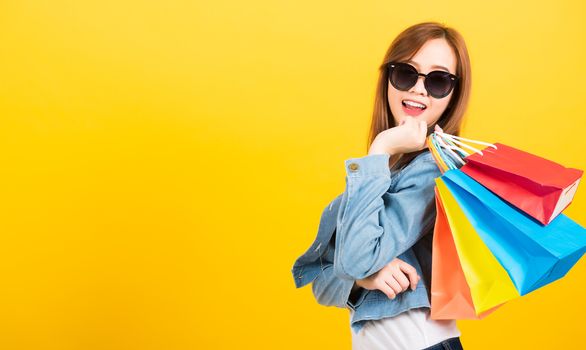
[331, 290]
[375, 224]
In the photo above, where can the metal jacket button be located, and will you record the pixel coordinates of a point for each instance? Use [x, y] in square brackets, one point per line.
[353, 166]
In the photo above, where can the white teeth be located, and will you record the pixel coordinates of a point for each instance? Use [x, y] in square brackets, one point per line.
[414, 104]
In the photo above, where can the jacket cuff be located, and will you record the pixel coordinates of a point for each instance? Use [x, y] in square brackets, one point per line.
[374, 164]
[356, 298]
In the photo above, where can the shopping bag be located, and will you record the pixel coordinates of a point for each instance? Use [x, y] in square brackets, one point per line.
[489, 283]
[534, 255]
[540, 187]
[450, 295]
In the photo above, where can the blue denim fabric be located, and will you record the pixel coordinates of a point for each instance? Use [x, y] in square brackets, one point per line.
[382, 214]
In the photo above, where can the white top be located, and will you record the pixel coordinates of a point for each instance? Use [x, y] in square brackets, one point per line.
[410, 330]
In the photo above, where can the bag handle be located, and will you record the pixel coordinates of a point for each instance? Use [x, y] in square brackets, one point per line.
[452, 145]
[446, 152]
[450, 148]
[435, 154]
[455, 139]
[442, 160]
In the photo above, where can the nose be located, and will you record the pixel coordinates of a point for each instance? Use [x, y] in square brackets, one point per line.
[419, 87]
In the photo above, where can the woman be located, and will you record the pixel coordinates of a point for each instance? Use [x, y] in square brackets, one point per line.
[381, 246]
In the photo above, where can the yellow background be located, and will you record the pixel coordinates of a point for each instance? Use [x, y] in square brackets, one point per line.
[163, 163]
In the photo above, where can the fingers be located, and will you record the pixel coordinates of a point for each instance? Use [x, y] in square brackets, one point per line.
[419, 125]
[411, 273]
[402, 280]
[396, 286]
[390, 292]
[417, 132]
[397, 283]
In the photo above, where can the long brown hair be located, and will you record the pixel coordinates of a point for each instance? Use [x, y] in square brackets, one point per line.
[403, 48]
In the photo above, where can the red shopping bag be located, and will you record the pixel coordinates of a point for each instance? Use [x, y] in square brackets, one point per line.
[537, 186]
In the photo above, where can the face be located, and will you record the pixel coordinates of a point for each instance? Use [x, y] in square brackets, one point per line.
[435, 52]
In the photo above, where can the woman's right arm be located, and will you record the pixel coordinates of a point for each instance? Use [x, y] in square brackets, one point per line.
[374, 225]
[340, 285]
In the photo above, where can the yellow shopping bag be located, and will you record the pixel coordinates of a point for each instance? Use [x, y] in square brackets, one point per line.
[490, 284]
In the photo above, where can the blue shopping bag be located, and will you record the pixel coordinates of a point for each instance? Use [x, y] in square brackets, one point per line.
[532, 254]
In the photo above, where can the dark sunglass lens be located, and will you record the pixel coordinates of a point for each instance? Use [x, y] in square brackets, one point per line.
[439, 83]
[403, 77]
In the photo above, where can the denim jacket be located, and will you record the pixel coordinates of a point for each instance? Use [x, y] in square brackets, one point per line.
[382, 214]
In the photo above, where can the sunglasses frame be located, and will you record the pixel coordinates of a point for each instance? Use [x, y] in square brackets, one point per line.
[453, 78]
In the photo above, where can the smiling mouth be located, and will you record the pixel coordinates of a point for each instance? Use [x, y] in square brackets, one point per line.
[412, 111]
[412, 107]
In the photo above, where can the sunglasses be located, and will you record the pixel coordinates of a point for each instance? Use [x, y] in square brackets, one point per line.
[438, 83]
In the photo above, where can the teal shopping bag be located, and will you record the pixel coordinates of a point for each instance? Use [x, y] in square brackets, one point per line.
[532, 254]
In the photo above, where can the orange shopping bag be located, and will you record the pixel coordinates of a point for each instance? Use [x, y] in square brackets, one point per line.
[450, 293]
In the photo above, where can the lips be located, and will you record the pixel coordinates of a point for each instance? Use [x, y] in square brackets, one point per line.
[411, 107]
[412, 111]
